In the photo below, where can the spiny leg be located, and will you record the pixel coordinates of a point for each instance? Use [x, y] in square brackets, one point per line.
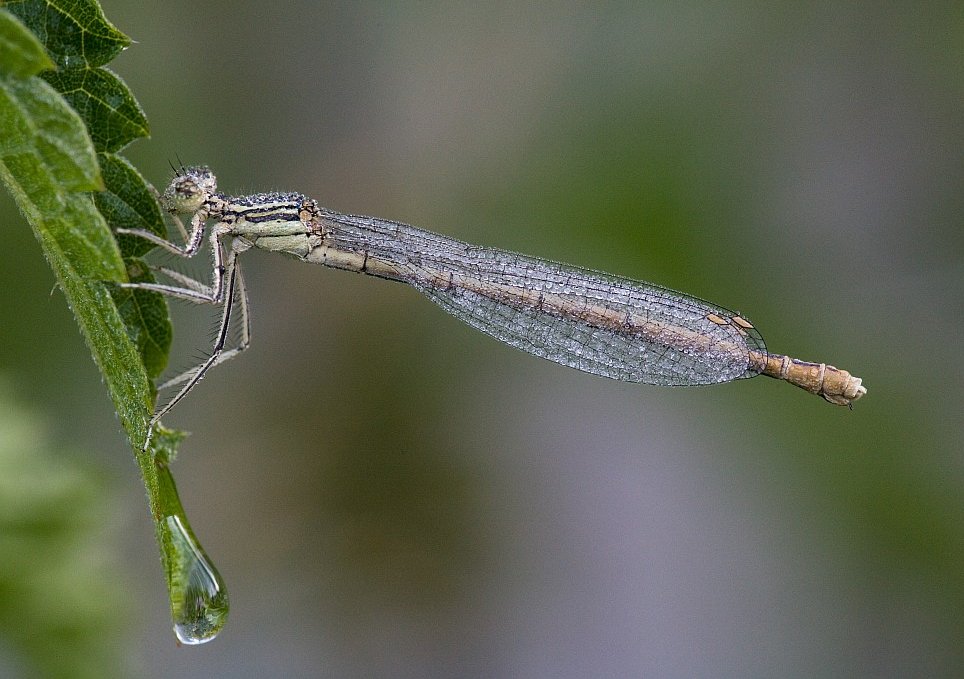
[196, 374]
[193, 291]
[187, 282]
[192, 241]
[243, 343]
[226, 276]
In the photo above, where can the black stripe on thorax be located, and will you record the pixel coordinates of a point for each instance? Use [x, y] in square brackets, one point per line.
[267, 207]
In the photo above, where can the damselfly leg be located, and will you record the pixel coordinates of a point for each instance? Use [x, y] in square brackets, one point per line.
[227, 288]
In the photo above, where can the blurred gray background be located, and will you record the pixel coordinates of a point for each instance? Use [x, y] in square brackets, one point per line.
[389, 493]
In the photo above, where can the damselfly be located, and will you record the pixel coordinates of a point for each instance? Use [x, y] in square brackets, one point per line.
[598, 323]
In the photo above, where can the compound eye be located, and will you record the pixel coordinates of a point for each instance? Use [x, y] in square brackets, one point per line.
[188, 191]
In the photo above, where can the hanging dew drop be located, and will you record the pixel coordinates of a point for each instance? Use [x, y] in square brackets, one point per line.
[199, 600]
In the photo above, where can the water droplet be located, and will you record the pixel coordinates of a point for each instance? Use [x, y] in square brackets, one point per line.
[199, 600]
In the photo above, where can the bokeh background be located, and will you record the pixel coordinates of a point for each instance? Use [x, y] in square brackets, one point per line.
[389, 493]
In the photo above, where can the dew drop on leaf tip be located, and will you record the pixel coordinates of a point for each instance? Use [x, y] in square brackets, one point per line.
[199, 600]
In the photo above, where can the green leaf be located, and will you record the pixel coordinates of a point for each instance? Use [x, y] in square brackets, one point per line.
[103, 100]
[75, 32]
[49, 162]
[21, 54]
[146, 319]
[36, 121]
[113, 119]
[165, 442]
[80, 249]
[128, 203]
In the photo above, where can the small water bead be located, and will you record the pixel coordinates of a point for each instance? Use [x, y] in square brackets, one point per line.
[199, 600]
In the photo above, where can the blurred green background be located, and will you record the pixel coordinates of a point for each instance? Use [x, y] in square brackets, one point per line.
[389, 493]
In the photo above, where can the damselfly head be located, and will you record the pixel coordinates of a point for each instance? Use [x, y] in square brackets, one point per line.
[188, 191]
